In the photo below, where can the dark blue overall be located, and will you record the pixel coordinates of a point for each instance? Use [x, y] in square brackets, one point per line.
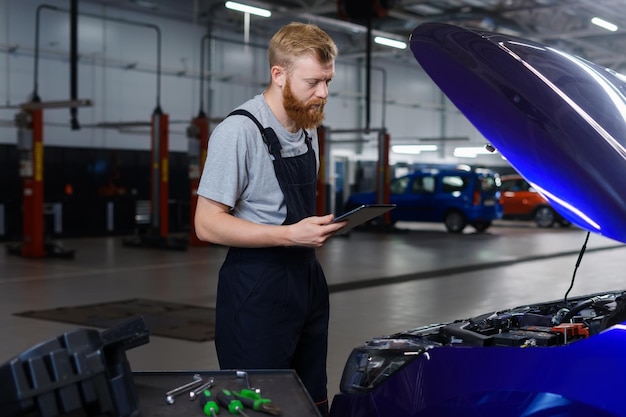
[272, 303]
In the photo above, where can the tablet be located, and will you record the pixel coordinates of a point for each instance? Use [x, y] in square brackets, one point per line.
[362, 214]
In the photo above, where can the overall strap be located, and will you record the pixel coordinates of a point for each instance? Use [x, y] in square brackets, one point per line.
[268, 135]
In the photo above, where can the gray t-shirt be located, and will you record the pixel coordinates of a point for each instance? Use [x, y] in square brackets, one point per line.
[239, 171]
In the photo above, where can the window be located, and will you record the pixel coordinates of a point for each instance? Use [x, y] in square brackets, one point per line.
[453, 183]
[514, 185]
[423, 185]
[399, 186]
[488, 183]
[509, 186]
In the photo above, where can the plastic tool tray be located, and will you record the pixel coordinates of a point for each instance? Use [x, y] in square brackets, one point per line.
[80, 373]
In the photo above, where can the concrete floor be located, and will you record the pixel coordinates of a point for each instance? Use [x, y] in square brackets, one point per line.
[380, 283]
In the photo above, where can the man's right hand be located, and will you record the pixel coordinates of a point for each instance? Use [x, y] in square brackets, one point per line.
[314, 231]
[215, 224]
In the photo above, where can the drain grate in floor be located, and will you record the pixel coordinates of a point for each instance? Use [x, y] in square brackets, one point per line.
[174, 320]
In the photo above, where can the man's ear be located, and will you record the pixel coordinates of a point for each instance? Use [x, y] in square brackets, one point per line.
[279, 75]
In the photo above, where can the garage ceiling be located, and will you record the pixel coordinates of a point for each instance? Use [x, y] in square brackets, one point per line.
[564, 24]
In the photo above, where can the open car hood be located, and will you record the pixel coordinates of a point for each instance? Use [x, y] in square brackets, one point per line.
[558, 119]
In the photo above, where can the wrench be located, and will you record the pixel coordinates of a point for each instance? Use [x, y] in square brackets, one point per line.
[194, 394]
[169, 396]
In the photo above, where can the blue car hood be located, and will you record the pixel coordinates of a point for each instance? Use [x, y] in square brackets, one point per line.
[558, 119]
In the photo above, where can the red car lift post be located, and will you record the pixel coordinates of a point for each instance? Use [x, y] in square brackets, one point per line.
[29, 122]
[383, 172]
[30, 143]
[157, 234]
[159, 179]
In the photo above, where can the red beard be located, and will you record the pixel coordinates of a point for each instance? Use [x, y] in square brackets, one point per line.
[305, 115]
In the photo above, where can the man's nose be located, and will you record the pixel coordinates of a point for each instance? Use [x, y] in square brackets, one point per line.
[322, 90]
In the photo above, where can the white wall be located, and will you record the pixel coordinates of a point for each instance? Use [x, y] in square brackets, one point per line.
[117, 71]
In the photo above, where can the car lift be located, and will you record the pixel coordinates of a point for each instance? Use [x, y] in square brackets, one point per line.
[29, 123]
[157, 234]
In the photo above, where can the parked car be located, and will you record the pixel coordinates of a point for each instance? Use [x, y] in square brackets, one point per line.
[520, 201]
[561, 122]
[456, 197]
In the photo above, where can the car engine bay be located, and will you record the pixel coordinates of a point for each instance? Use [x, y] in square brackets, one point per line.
[541, 325]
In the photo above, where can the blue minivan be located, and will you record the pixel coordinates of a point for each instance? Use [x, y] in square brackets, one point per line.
[456, 197]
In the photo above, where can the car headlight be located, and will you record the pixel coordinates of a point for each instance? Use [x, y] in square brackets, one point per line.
[371, 363]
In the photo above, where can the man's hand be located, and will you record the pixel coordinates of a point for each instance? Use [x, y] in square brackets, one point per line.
[314, 231]
[214, 223]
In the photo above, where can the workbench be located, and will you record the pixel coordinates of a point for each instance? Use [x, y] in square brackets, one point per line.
[283, 387]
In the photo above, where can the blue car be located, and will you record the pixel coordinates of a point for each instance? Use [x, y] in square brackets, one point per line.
[561, 122]
[456, 197]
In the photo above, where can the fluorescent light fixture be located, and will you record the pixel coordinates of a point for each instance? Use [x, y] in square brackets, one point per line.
[471, 151]
[413, 149]
[247, 9]
[390, 42]
[604, 24]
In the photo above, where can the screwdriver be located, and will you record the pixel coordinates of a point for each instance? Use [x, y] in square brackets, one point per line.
[207, 404]
[251, 399]
[234, 406]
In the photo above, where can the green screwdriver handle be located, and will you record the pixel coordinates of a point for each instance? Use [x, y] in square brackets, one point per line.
[251, 398]
[207, 404]
[227, 399]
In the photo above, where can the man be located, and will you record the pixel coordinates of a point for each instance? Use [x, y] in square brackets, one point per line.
[257, 196]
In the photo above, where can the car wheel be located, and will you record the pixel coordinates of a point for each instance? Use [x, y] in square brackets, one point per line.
[481, 226]
[455, 221]
[545, 216]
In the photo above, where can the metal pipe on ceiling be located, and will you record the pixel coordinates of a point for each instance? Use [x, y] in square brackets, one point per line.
[41, 7]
